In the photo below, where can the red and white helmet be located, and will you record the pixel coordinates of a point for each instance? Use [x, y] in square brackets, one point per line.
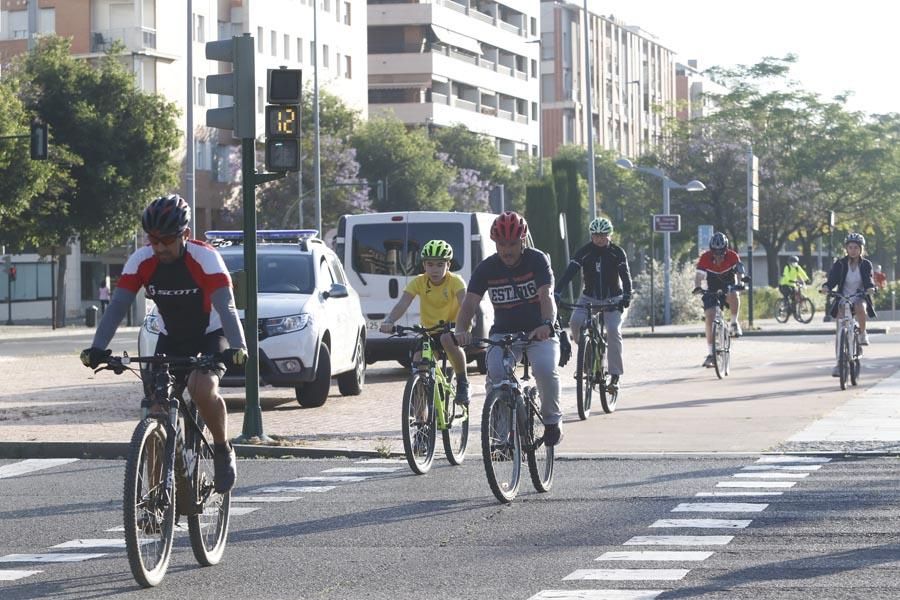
[509, 227]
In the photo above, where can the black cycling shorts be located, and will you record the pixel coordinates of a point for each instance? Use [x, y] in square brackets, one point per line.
[211, 343]
[710, 298]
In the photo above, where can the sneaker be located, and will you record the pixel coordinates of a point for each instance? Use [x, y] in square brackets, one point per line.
[552, 434]
[462, 393]
[225, 466]
[709, 362]
[864, 339]
[613, 386]
[836, 371]
[736, 330]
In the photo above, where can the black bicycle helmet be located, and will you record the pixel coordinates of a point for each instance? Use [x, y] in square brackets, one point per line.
[167, 215]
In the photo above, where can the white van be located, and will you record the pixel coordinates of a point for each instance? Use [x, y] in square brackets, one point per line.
[380, 252]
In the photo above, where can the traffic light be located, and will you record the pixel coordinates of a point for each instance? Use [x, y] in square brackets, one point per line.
[12, 273]
[39, 144]
[239, 84]
[283, 91]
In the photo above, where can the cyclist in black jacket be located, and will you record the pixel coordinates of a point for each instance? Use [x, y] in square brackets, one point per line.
[604, 267]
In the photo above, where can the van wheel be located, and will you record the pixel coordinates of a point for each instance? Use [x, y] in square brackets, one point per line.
[315, 393]
[405, 363]
[351, 382]
[481, 363]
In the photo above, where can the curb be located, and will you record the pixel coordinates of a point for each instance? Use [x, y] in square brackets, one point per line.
[747, 333]
[119, 450]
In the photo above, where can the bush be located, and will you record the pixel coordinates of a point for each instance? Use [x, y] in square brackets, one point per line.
[686, 308]
[883, 297]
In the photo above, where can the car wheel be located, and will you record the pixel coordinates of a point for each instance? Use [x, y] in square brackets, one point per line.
[315, 393]
[351, 382]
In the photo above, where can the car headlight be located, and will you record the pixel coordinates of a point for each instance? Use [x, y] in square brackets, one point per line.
[151, 324]
[281, 325]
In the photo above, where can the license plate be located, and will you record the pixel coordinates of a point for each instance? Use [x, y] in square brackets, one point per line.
[374, 325]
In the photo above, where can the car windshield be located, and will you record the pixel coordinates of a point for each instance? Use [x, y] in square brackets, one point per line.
[393, 248]
[277, 272]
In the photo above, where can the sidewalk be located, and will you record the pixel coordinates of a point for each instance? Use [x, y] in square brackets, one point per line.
[761, 327]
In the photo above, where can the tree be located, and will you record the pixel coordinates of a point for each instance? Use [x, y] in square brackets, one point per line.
[118, 144]
[477, 162]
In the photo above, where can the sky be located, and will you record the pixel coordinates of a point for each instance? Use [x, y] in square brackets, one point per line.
[842, 46]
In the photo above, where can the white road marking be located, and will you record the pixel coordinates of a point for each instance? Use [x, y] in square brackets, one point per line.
[756, 484]
[297, 489]
[655, 555]
[679, 540]
[627, 575]
[31, 465]
[782, 468]
[703, 523]
[719, 507]
[772, 475]
[597, 595]
[732, 494]
[774, 460]
[95, 543]
[332, 479]
[265, 498]
[236, 511]
[14, 574]
[382, 461]
[49, 557]
[371, 470]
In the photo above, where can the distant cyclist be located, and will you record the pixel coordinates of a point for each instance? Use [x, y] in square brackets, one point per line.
[720, 267]
[792, 273]
[440, 295]
[604, 268]
[519, 282]
[852, 274]
[191, 287]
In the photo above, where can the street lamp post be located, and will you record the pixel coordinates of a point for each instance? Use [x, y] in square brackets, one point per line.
[589, 117]
[540, 111]
[668, 184]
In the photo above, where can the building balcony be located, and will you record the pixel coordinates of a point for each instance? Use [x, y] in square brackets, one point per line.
[136, 39]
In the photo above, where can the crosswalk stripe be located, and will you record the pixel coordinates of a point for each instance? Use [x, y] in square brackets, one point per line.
[756, 484]
[265, 498]
[311, 489]
[782, 468]
[627, 575]
[15, 574]
[362, 470]
[95, 543]
[49, 557]
[679, 540]
[703, 523]
[720, 507]
[732, 494]
[332, 479]
[597, 595]
[382, 461]
[655, 555]
[31, 465]
[774, 460]
[772, 475]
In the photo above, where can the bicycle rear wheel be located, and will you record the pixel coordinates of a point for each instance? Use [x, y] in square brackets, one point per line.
[540, 456]
[843, 360]
[720, 335]
[805, 310]
[584, 374]
[208, 522]
[418, 424]
[782, 310]
[456, 436]
[854, 362]
[501, 448]
[609, 395]
[149, 515]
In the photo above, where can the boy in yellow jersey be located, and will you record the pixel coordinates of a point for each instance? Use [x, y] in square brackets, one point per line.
[440, 293]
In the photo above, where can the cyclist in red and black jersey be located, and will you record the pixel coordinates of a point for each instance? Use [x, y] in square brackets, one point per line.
[720, 267]
[191, 287]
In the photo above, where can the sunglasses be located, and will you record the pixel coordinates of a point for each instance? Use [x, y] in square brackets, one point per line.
[165, 240]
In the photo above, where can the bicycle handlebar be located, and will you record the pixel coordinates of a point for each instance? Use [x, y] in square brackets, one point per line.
[720, 292]
[507, 340]
[400, 330]
[609, 304]
[850, 298]
[118, 364]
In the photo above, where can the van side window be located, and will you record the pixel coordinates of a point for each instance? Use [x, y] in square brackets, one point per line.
[393, 248]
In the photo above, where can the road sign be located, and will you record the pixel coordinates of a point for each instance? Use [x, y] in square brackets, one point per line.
[704, 234]
[666, 223]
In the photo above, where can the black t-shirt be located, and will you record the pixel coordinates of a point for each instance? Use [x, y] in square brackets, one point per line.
[513, 310]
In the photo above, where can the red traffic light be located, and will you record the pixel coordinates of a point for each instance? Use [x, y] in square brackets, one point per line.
[12, 273]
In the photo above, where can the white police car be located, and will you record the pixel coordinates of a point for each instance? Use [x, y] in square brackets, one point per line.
[310, 323]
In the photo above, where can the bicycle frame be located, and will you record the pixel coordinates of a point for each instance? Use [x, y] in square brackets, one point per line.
[848, 324]
[435, 376]
[519, 391]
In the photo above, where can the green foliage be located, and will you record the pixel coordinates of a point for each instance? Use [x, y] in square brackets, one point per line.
[685, 306]
[543, 223]
[469, 150]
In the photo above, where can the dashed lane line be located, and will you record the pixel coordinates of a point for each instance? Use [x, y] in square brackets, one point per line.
[597, 595]
[702, 523]
[330, 479]
[774, 460]
[782, 468]
[265, 499]
[679, 540]
[756, 484]
[720, 507]
[31, 465]
[369, 470]
[311, 489]
[735, 493]
[656, 555]
[771, 475]
[50, 557]
[627, 575]
[16, 574]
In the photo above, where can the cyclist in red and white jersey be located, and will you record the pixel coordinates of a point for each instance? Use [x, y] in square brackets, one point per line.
[188, 281]
[720, 267]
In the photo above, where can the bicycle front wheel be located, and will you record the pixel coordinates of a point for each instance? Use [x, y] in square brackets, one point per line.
[609, 394]
[584, 375]
[782, 310]
[720, 337]
[854, 360]
[149, 515]
[500, 445]
[456, 435]
[208, 521]
[418, 424]
[805, 310]
[540, 456]
[843, 360]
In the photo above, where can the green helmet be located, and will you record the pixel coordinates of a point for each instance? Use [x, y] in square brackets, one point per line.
[601, 225]
[437, 250]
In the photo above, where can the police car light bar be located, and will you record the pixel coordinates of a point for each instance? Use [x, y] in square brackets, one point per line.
[265, 234]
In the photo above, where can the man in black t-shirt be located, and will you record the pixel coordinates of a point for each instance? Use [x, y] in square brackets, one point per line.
[519, 283]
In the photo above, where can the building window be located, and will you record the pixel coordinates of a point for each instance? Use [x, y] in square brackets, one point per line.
[287, 47]
[337, 63]
[47, 21]
[299, 50]
[534, 111]
[325, 55]
[260, 100]
[533, 26]
[348, 68]
[346, 13]
[337, 11]
[326, 5]
[534, 68]
[199, 28]
[274, 42]
[32, 282]
[203, 155]
[200, 93]
[259, 40]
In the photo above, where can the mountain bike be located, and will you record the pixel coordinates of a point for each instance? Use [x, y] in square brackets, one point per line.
[590, 371]
[170, 473]
[511, 422]
[797, 304]
[721, 346]
[429, 407]
[849, 348]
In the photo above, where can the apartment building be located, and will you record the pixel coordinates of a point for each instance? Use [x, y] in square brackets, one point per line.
[444, 62]
[632, 76]
[692, 87]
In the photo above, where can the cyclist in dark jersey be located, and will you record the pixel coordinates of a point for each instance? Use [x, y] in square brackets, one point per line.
[191, 287]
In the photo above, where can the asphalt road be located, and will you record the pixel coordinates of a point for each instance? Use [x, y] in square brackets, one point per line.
[831, 534]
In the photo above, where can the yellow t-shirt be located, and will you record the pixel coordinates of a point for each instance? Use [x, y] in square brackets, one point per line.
[437, 302]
